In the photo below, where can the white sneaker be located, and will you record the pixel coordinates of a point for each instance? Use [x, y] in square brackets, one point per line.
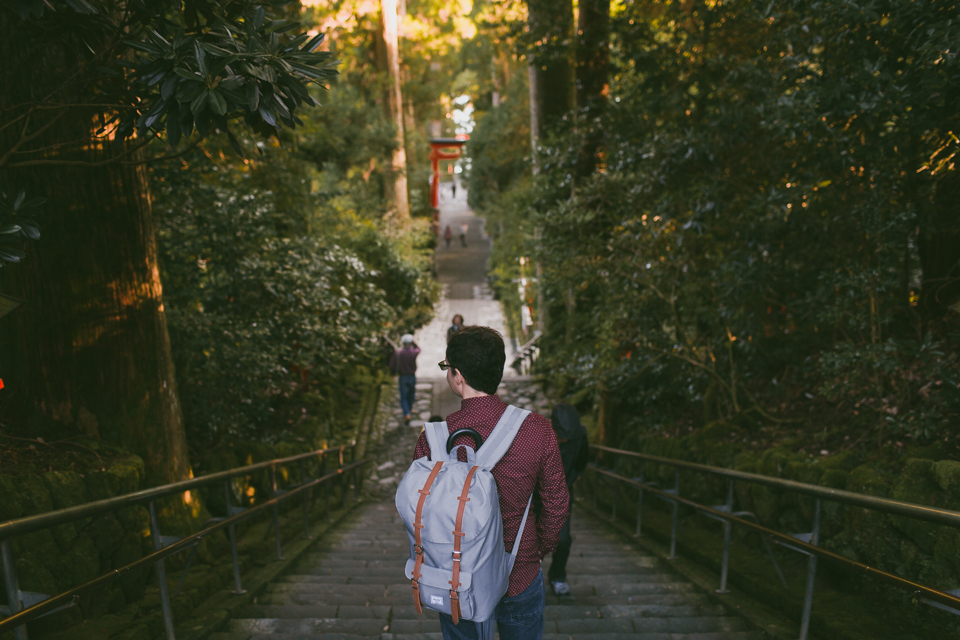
[560, 588]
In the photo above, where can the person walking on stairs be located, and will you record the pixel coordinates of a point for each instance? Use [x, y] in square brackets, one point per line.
[531, 466]
[404, 362]
[455, 325]
[464, 227]
[574, 452]
[448, 235]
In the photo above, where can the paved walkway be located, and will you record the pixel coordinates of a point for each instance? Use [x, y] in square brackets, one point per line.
[463, 273]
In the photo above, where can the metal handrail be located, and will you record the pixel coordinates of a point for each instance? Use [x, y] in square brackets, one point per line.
[164, 546]
[526, 351]
[26, 615]
[725, 513]
[29, 524]
[907, 509]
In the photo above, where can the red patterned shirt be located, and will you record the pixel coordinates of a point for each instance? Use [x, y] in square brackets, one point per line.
[532, 461]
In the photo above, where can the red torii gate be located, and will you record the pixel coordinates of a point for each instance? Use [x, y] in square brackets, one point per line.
[442, 149]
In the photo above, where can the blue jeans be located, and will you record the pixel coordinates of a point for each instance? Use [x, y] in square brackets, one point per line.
[519, 617]
[408, 391]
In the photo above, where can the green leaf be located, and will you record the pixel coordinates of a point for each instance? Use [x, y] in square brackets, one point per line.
[200, 102]
[201, 58]
[19, 201]
[234, 143]
[9, 227]
[314, 43]
[253, 95]
[9, 254]
[258, 17]
[268, 115]
[217, 103]
[168, 86]
[186, 74]
[217, 51]
[143, 47]
[174, 132]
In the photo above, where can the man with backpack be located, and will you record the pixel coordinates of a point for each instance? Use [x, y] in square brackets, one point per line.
[516, 449]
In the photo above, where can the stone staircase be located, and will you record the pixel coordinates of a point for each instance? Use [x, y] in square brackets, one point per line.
[352, 586]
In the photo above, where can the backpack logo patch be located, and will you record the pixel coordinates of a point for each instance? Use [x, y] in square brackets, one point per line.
[436, 600]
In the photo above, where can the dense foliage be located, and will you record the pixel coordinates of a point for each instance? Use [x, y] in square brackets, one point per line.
[282, 276]
[772, 237]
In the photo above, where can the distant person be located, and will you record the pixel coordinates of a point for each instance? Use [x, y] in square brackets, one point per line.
[453, 190]
[455, 326]
[572, 438]
[463, 233]
[404, 362]
[448, 235]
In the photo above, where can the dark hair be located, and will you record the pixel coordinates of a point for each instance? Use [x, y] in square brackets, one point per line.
[478, 354]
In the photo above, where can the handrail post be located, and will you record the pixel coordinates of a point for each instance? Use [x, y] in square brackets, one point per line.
[640, 502]
[232, 534]
[276, 512]
[613, 501]
[353, 473]
[326, 485]
[306, 506]
[727, 526]
[676, 516]
[342, 479]
[161, 573]
[811, 573]
[12, 586]
[596, 486]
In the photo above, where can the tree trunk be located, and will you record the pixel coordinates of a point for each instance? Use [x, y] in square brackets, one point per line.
[89, 348]
[593, 32]
[551, 86]
[397, 182]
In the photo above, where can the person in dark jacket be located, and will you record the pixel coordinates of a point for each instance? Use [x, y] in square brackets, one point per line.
[404, 363]
[572, 438]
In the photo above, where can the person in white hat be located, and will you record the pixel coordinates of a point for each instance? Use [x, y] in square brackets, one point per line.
[404, 363]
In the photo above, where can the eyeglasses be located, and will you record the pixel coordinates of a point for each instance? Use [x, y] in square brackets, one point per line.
[445, 365]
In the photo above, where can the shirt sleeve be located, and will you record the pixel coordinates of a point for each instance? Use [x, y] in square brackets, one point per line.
[422, 450]
[552, 489]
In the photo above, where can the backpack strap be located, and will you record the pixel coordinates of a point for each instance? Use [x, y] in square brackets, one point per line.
[437, 434]
[523, 525]
[500, 439]
[417, 526]
[457, 535]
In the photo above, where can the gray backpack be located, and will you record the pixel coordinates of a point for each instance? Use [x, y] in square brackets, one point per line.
[451, 511]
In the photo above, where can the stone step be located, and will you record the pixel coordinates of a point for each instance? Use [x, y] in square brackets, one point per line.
[310, 626]
[721, 635]
[694, 629]
[405, 600]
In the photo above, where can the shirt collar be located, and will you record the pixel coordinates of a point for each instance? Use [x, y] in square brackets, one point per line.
[480, 401]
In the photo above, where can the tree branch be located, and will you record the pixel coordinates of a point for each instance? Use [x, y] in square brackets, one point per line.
[190, 147]
[83, 163]
[27, 138]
